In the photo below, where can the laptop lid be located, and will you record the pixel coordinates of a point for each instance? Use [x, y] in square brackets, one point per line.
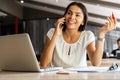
[17, 53]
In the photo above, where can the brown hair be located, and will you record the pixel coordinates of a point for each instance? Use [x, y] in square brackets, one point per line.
[85, 13]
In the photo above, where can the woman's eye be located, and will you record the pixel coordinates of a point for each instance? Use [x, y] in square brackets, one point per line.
[68, 12]
[78, 15]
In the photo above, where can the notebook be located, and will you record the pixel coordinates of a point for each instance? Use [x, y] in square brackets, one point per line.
[17, 54]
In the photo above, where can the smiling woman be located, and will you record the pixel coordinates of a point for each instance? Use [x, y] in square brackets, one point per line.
[67, 45]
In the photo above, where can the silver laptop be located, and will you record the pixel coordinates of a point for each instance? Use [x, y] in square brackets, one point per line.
[17, 54]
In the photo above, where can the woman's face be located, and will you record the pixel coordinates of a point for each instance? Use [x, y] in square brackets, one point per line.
[74, 17]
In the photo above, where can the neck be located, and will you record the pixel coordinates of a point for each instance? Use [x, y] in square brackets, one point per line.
[71, 36]
[71, 33]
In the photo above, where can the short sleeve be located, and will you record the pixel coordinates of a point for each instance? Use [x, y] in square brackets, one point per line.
[50, 33]
[90, 37]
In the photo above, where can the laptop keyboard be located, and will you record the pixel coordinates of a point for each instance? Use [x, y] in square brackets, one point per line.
[51, 69]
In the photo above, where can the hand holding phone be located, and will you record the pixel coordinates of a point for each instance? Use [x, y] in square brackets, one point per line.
[63, 24]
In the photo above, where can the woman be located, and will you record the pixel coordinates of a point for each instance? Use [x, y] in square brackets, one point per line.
[67, 43]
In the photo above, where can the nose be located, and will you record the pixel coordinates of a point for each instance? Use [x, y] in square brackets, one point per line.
[72, 16]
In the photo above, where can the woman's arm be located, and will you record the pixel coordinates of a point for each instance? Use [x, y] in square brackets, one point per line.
[47, 53]
[95, 54]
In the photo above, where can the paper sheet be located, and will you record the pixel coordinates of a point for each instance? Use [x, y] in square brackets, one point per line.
[91, 69]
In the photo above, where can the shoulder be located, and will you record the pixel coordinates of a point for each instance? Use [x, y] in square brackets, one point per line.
[50, 32]
[115, 50]
[87, 37]
[88, 33]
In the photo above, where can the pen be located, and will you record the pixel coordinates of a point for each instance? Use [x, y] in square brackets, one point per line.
[113, 17]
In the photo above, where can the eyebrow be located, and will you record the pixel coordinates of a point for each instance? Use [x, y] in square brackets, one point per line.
[75, 12]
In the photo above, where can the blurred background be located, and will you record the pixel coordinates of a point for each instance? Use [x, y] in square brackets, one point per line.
[36, 17]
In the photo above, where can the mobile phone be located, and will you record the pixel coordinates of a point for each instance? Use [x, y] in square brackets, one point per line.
[113, 16]
[63, 24]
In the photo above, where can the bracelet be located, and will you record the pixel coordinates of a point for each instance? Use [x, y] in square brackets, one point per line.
[101, 39]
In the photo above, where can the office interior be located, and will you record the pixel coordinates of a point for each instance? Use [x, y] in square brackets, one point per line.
[36, 17]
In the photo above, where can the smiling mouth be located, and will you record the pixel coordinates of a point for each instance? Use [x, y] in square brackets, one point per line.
[71, 22]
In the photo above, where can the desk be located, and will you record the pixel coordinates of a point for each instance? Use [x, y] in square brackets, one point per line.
[54, 76]
[107, 62]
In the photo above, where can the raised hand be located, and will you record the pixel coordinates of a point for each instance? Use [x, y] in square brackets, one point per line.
[110, 25]
[58, 26]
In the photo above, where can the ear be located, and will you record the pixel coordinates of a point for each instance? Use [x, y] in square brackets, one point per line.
[82, 23]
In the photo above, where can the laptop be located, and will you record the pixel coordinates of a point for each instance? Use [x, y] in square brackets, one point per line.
[17, 54]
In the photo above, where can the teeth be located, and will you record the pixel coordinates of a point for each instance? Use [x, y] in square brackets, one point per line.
[72, 22]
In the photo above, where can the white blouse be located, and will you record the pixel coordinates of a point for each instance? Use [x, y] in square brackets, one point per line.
[71, 55]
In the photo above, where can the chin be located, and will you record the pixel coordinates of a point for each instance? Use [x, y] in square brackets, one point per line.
[71, 28]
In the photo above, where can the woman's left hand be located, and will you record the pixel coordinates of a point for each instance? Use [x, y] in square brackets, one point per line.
[110, 25]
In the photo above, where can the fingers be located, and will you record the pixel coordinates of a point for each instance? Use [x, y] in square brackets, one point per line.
[60, 22]
[115, 21]
[110, 25]
[112, 22]
[58, 27]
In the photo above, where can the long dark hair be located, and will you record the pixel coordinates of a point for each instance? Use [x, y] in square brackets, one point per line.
[85, 13]
[118, 40]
